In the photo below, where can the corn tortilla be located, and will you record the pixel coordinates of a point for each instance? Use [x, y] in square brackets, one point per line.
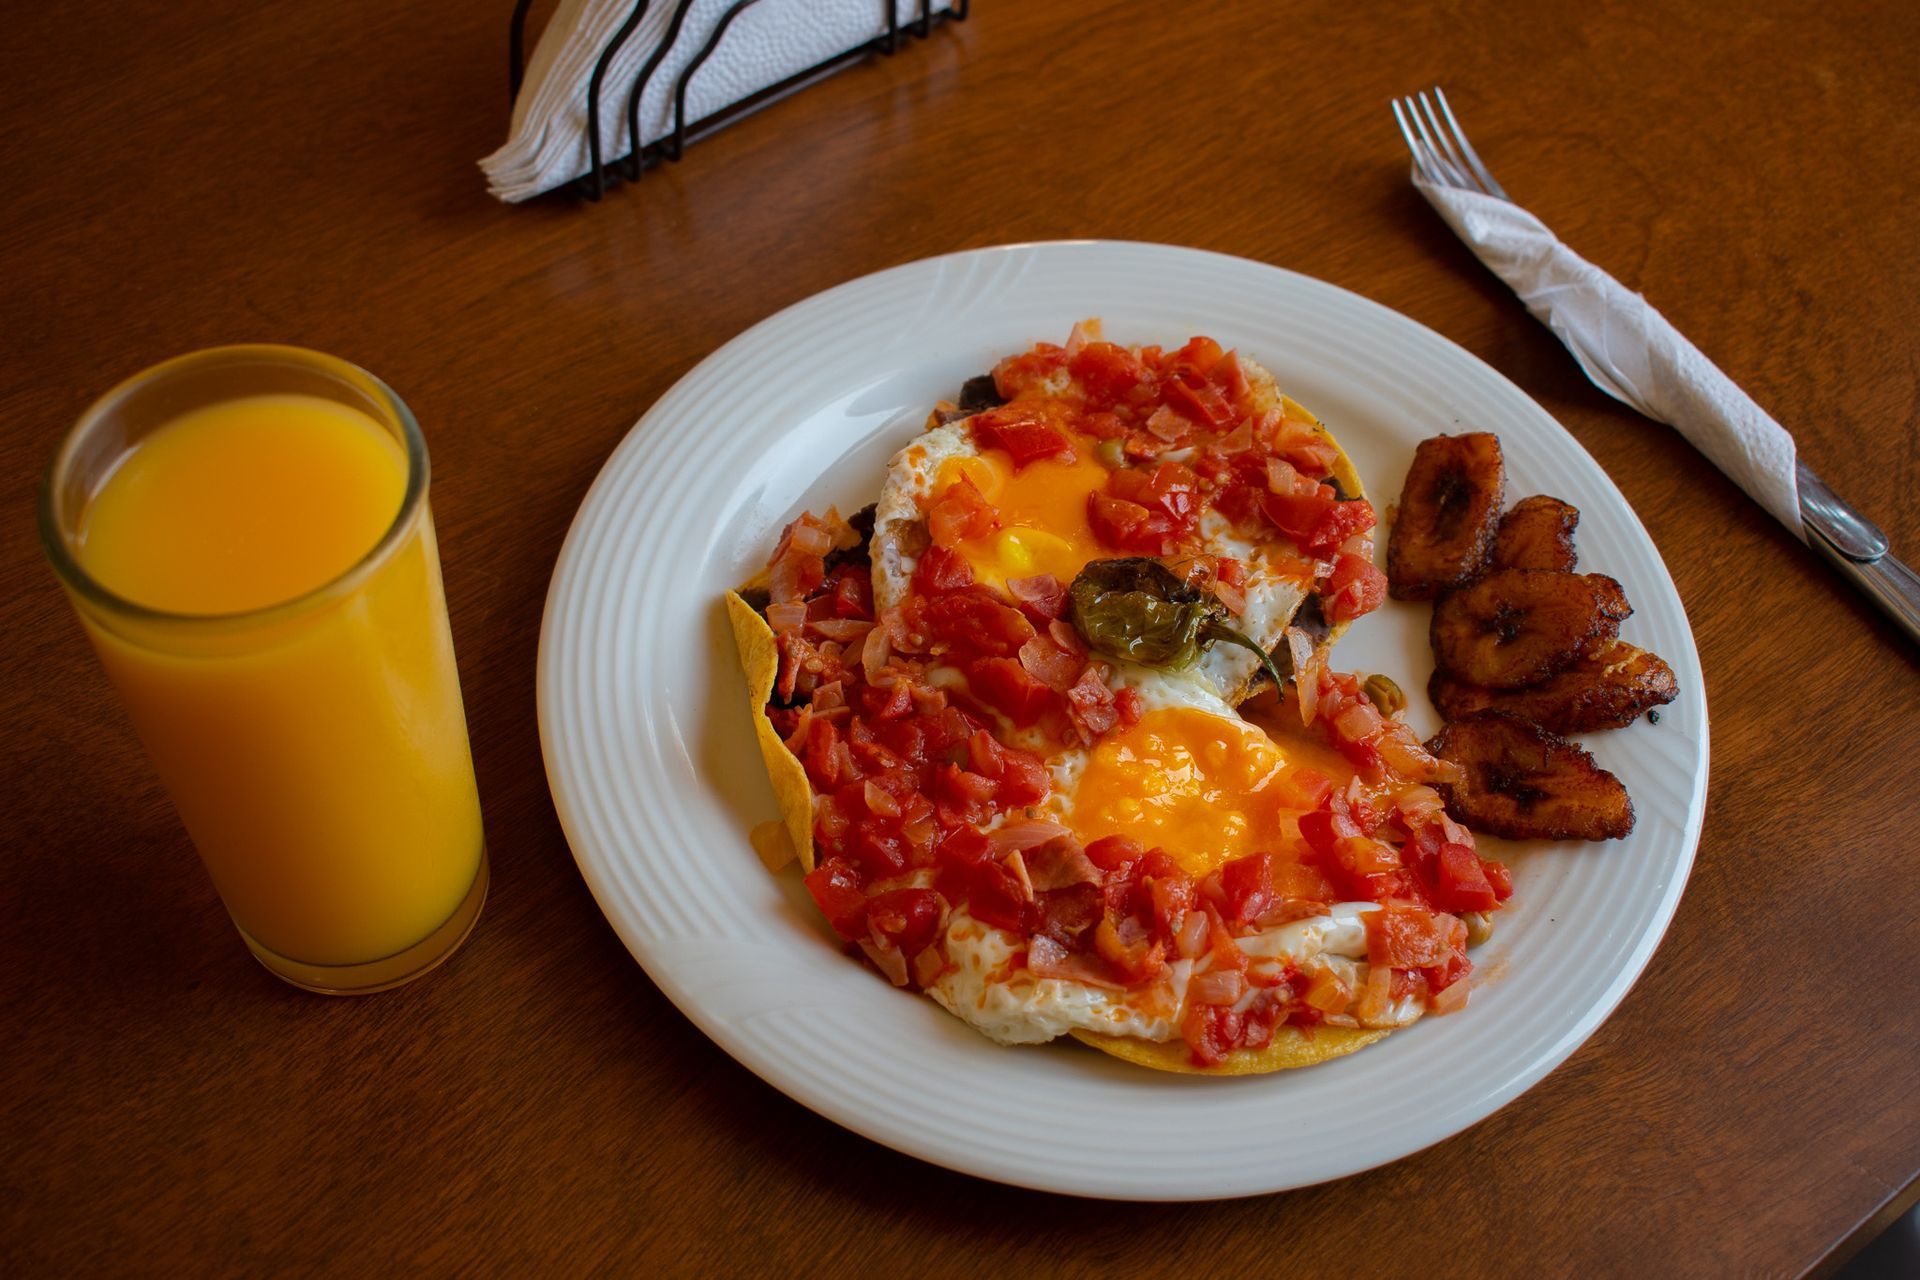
[760, 659]
[1291, 1047]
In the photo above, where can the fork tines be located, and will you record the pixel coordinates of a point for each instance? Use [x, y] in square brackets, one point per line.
[1440, 148]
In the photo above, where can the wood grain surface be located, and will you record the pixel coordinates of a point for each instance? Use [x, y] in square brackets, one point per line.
[180, 175]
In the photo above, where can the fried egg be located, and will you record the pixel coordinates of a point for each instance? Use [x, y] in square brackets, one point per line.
[1193, 778]
[1044, 529]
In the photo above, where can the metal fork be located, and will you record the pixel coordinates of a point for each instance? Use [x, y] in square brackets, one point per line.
[1855, 545]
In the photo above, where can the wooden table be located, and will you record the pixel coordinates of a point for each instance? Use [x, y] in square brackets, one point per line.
[185, 175]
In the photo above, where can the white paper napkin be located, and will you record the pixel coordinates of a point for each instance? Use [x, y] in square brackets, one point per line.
[766, 43]
[1629, 349]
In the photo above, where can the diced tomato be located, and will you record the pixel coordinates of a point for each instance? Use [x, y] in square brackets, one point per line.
[1023, 431]
[1312, 452]
[1050, 664]
[1312, 786]
[1067, 913]
[1459, 882]
[1111, 853]
[941, 570]
[880, 853]
[1246, 886]
[1090, 702]
[1008, 687]
[892, 702]
[1167, 488]
[1358, 866]
[835, 887]
[1406, 938]
[1230, 377]
[1128, 526]
[1146, 509]
[1240, 503]
[851, 592]
[974, 622]
[1299, 880]
[959, 513]
[1336, 525]
[1297, 514]
[1172, 898]
[1197, 400]
[1211, 1033]
[1133, 962]
[1197, 358]
[961, 848]
[1016, 374]
[1042, 597]
[1025, 780]
[1128, 705]
[1323, 829]
[822, 757]
[961, 787]
[995, 896]
[906, 919]
[1499, 877]
[1106, 372]
[1354, 588]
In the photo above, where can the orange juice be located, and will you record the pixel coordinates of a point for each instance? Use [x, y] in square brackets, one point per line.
[296, 690]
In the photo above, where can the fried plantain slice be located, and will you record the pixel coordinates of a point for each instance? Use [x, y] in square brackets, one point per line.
[1522, 782]
[1537, 534]
[1610, 690]
[1448, 515]
[1519, 626]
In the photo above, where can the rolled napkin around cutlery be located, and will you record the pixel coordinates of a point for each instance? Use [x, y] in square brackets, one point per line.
[1628, 348]
[762, 44]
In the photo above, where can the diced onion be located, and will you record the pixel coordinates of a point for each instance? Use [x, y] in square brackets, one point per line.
[1046, 662]
[1357, 722]
[879, 802]
[802, 725]
[840, 630]
[1167, 424]
[789, 615]
[1217, 987]
[1016, 836]
[1329, 992]
[1376, 995]
[927, 966]
[1018, 865]
[875, 653]
[810, 539]
[1451, 1000]
[1191, 941]
[887, 960]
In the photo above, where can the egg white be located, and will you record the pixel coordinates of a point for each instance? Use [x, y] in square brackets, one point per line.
[1013, 1006]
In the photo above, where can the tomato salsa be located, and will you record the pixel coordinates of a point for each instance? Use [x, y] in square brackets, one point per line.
[925, 729]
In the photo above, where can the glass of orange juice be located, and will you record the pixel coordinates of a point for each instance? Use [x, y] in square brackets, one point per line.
[245, 535]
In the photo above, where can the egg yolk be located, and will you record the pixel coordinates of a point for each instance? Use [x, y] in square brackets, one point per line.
[1205, 788]
[1043, 514]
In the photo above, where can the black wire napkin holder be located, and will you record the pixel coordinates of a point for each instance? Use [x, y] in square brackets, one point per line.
[672, 145]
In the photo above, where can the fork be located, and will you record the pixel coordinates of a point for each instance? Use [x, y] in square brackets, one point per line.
[1444, 157]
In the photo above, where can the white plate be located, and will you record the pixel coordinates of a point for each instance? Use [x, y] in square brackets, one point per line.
[645, 728]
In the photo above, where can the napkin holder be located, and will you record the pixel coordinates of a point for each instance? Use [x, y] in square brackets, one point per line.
[673, 144]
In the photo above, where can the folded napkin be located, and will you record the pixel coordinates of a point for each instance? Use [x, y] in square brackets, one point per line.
[1627, 348]
[766, 43]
